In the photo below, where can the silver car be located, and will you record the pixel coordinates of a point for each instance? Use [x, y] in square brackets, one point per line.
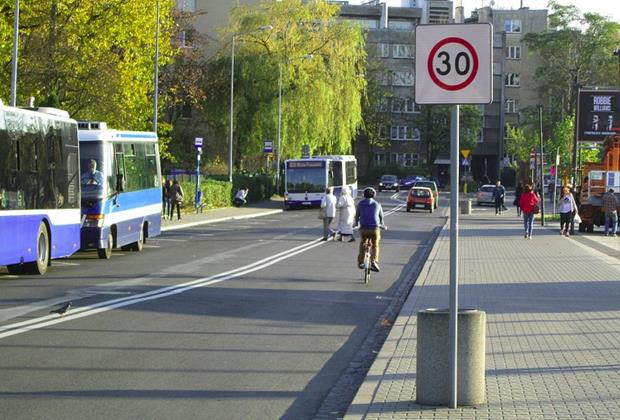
[485, 195]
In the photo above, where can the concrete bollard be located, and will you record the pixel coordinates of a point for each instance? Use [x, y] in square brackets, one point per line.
[433, 357]
[465, 206]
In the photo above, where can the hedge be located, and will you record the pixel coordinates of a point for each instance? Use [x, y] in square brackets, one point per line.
[218, 193]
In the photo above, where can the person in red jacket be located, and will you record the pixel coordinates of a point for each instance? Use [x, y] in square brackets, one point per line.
[528, 202]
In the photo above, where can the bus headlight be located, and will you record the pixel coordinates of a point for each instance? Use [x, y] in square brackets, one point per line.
[94, 220]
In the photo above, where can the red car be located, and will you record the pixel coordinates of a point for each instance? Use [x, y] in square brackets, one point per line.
[421, 197]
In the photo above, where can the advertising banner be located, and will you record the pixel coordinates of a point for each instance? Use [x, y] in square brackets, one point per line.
[599, 114]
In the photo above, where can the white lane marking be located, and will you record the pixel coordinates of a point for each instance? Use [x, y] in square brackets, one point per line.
[158, 238]
[221, 219]
[47, 320]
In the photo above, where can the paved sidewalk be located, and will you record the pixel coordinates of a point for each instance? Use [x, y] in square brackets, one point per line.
[553, 325]
[191, 218]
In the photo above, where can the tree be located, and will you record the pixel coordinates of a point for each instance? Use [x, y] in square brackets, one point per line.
[94, 58]
[575, 50]
[437, 129]
[322, 61]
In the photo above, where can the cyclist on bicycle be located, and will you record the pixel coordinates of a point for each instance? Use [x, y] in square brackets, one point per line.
[369, 217]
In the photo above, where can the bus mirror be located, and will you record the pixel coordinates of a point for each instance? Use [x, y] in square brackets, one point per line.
[120, 183]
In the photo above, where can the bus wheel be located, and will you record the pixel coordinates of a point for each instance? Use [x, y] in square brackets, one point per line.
[43, 253]
[139, 244]
[106, 253]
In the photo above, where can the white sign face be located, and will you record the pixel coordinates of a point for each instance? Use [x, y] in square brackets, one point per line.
[453, 64]
[198, 141]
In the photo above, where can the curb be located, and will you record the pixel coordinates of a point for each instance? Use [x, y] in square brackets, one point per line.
[221, 219]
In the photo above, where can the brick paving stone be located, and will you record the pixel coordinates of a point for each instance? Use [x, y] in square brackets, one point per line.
[553, 327]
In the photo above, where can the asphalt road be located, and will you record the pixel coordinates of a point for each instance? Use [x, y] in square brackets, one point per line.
[235, 320]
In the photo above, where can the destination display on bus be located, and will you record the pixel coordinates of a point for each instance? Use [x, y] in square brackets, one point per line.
[306, 164]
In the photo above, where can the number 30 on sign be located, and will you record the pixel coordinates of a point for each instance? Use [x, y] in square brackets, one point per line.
[453, 64]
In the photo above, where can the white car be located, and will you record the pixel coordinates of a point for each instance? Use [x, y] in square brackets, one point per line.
[485, 195]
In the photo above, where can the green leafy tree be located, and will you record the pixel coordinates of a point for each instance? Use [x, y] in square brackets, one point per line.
[437, 130]
[322, 61]
[93, 58]
[575, 50]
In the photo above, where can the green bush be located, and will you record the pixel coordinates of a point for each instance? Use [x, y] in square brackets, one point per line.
[215, 194]
[261, 186]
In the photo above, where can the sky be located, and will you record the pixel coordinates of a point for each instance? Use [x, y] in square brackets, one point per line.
[609, 8]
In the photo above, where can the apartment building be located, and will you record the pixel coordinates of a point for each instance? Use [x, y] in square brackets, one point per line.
[515, 85]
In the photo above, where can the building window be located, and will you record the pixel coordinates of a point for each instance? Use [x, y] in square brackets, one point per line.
[383, 50]
[379, 159]
[402, 51]
[366, 23]
[384, 78]
[404, 105]
[512, 106]
[512, 25]
[383, 132]
[187, 5]
[404, 132]
[513, 53]
[402, 25]
[184, 39]
[382, 106]
[512, 79]
[402, 78]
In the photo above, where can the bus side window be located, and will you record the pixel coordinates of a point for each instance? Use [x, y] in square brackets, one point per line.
[337, 174]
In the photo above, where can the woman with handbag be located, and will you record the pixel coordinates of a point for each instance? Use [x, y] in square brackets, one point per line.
[568, 209]
[176, 197]
[528, 202]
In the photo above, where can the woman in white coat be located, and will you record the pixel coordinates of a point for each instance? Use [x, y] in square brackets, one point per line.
[346, 204]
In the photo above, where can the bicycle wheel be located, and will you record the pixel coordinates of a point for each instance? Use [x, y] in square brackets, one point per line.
[367, 262]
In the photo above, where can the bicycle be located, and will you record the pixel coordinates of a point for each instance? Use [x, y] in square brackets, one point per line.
[367, 244]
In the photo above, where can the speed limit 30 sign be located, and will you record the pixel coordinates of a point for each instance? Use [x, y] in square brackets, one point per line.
[454, 64]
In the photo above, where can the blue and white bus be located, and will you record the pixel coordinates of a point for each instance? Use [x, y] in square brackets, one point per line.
[39, 188]
[121, 188]
[307, 179]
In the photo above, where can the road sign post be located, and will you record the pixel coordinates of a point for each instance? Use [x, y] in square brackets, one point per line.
[198, 192]
[454, 66]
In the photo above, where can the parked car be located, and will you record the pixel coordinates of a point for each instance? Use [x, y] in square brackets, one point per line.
[421, 197]
[433, 188]
[389, 182]
[408, 181]
[485, 195]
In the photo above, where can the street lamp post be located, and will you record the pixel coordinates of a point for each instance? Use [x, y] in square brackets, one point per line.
[14, 60]
[617, 54]
[232, 93]
[156, 78]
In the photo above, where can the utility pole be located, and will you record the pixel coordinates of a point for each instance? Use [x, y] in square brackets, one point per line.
[542, 170]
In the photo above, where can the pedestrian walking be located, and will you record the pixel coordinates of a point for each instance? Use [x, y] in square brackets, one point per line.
[529, 206]
[328, 212]
[498, 196]
[567, 208]
[518, 192]
[165, 197]
[610, 207]
[346, 205]
[176, 197]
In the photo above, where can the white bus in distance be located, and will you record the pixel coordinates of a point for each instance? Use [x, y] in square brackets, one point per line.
[305, 180]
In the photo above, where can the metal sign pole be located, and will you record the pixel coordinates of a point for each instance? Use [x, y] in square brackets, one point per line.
[454, 238]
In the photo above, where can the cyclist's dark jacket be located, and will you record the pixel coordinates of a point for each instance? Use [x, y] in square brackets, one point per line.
[369, 214]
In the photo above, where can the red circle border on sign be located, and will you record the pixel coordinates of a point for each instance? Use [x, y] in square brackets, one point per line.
[474, 72]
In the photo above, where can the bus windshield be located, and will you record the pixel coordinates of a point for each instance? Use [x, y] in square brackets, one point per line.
[92, 178]
[301, 180]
